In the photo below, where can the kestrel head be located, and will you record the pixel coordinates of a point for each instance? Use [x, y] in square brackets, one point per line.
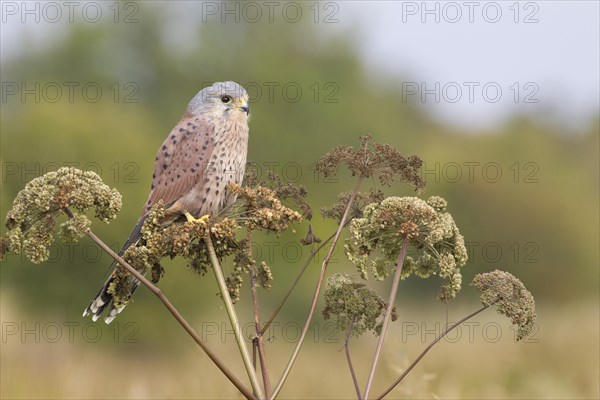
[221, 100]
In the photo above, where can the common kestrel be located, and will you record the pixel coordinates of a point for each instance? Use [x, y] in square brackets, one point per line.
[204, 153]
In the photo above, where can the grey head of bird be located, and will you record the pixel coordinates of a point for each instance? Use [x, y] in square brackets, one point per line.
[221, 100]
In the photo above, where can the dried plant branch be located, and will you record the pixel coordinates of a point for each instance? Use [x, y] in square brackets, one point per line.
[235, 323]
[435, 341]
[388, 314]
[258, 342]
[186, 326]
[313, 305]
[349, 359]
[296, 280]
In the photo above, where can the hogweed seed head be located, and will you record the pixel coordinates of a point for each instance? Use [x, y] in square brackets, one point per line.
[31, 222]
[511, 298]
[378, 236]
[258, 208]
[371, 159]
[361, 200]
[350, 302]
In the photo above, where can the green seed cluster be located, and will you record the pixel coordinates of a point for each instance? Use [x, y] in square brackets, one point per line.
[376, 239]
[32, 220]
[353, 303]
[511, 298]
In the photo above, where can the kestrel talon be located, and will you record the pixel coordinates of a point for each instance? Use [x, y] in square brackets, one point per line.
[204, 153]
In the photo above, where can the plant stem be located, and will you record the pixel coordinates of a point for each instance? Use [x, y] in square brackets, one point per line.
[436, 340]
[291, 289]
[349, 359]
[388, 315]
[259, 336]
[254, 350]
[235, 324]
[186, 326]
[315, 298]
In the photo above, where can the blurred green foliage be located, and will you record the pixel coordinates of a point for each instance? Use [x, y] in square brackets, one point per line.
[541, 213]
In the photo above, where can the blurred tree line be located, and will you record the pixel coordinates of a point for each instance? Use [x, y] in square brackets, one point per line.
[524, 195]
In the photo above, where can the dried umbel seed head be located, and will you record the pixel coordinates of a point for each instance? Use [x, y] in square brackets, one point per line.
[287, 191]
[257, 209]
[373, 159]
[510, 297]
[376, 239]
[31, 222]
[262, 209]
[361, 200]
[350, 302]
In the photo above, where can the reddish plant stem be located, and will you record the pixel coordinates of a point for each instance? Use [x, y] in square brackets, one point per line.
[315, 298]
[291, 289]
[259, 335]
[388, 315]
[182, 321]
[435, 341]
[349, 359]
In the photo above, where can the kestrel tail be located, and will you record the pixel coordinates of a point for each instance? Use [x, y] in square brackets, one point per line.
[204, 153]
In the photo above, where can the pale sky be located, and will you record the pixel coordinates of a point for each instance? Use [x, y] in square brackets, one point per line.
[553, 58]
[470, 63]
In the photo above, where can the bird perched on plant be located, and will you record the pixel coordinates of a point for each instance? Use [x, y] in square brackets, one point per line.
[204, 153]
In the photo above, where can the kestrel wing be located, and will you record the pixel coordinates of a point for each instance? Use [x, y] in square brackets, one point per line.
[180, 165]
[181, 162]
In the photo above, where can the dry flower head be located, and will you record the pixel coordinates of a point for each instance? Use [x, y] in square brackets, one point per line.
[378, 236]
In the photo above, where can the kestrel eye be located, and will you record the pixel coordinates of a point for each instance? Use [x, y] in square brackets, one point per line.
[226, 99]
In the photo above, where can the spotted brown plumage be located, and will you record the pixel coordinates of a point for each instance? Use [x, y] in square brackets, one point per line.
[203, 153]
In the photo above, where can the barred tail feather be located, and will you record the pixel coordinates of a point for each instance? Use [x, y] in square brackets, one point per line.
[100, 301]
[104, 299]
[114, 311]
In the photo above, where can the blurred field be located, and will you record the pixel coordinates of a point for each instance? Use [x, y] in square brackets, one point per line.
[479, 362]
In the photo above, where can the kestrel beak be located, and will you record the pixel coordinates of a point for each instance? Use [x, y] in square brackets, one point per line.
[243, 105]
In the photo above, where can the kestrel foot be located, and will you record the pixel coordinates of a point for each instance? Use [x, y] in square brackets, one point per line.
[203, 219]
